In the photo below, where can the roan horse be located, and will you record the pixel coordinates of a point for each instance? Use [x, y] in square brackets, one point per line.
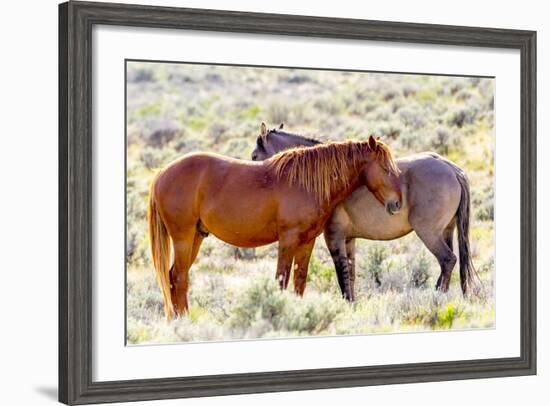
[436, 199]
[287, 198]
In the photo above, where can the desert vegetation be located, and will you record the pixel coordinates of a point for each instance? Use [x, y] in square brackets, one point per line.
[173, 109]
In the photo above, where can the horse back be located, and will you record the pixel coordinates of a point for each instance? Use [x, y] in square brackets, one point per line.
[431, 194]
[434, 191]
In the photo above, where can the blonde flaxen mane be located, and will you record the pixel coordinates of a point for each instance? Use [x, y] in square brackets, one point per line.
[322, 168]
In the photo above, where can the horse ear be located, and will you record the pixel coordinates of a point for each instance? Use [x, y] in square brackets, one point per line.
[263, 130]
[372, 143]
[281, 126]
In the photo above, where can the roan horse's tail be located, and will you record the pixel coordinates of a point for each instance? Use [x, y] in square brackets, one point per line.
[467, 270]
[160, 250]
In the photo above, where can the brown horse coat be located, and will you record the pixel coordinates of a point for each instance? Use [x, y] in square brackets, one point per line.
[287, 198]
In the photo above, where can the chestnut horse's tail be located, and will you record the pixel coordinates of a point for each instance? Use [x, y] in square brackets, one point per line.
[467, 270]
[160, 250]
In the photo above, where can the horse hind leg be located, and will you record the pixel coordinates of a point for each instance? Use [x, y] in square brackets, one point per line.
[301, 263]
[186, 248]
[437, 243]
[448, 234]
[447, 261]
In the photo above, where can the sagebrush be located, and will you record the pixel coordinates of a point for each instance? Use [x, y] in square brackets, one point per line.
[173, 109]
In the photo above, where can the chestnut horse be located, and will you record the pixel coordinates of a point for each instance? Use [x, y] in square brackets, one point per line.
[436, 200]
[287, 198]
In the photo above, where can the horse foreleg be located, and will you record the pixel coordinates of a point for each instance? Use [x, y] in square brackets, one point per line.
[350, 253]
[337, 248]
[301, 263]
[284, 263]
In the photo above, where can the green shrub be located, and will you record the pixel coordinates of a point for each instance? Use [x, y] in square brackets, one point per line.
[376, 255]
[262, 299]
[446, 316]
[263, 302]
[321, 276]
[483, 202]
[310, 315]
[420, 271]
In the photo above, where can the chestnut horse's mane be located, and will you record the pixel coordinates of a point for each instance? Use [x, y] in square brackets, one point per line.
[322, 168]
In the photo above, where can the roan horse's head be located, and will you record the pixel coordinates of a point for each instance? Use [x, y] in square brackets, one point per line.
[270, 142]
[381, 174]
[267, 148]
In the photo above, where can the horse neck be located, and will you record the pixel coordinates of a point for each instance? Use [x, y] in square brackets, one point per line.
[341, 191]
[298, 140]
[288, 140]
[349, 178]
[332, 178]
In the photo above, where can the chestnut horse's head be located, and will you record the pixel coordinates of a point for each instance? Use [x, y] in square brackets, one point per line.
[381, 176]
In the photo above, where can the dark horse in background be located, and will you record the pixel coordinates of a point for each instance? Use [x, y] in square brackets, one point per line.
[287, 198]
[436, 200]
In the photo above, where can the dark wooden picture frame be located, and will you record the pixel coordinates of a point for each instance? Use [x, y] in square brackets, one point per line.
[76, 20]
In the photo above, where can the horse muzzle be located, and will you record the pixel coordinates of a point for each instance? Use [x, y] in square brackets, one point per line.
[393, 207]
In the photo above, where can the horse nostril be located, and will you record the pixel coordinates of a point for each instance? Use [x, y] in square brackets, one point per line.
[393, 207]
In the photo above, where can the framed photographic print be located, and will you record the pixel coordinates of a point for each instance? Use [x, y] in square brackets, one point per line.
[259, 202]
